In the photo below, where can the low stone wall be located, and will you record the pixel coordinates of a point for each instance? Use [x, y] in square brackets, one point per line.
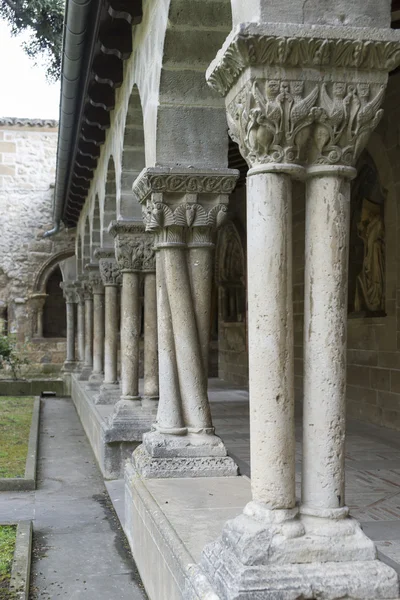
[31, 387]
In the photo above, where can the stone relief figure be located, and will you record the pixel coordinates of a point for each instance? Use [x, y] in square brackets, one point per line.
[367, 243]
[370, 293]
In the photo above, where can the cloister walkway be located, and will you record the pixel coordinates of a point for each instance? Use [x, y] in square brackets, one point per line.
[79, 548]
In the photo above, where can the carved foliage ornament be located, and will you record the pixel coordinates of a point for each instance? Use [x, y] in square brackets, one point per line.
[282, 121]
[135, 254]
[184, 183]
[256, 49]
[190, 219]
[69, 292]
[109, 272]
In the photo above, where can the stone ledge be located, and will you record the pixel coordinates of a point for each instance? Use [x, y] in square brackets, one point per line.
[28, 482]
[169, 521]
[21, 566]
[110, 445]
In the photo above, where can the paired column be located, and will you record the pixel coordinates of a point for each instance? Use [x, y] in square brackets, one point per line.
[80, 321]
[183, 442]
[97, 287]
[70, 301]
[111, 279]
[150, 360]
[290, 122]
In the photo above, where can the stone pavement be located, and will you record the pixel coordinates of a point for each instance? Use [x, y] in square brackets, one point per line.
[372, 466]
[79, 549]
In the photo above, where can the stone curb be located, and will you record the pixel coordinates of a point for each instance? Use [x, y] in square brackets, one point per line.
[28, 482]
[21, 566]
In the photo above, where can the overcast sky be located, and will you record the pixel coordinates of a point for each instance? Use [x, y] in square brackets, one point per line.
[24, 89]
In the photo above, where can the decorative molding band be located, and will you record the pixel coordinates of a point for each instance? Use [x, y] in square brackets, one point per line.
[132, 227]
[303, 47]
[17, 122]
[185, 181]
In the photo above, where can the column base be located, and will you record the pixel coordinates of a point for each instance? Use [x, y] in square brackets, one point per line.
[69, 366]
[150, 402]
[95, 380]
[191, 455]
[109, 393]
[129, 421]
[276, 555]
[85, 373]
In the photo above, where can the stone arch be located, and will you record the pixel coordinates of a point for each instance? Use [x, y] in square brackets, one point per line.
[95, 227]
[47, 268]
[184, 119]
[133, 155]
[54, 311]
[109, 212]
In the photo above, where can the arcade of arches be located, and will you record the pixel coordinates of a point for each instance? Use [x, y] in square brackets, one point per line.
[266, 258]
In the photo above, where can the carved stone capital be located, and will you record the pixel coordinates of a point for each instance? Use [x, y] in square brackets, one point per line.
[342, 49]
[182, 205]
[110, 274]
[134, 248]
[95, 281]
[69, 292]
[283, 108]
[79, 291]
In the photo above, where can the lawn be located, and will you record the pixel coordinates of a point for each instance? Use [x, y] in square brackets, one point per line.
[15, 423]
[7, 545]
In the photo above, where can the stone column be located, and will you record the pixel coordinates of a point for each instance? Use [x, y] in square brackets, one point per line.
[150, 383]
[111, 278]
[96, 284]
[38, 301]
[70, 301]
[80, 322]
[298, 106]
[129, 419]
[183, 442]
[88, 355]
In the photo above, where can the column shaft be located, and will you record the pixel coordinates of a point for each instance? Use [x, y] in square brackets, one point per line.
[269, 247]
[70, 306]
[88, 332]
[201, 262]
[81, 331]
[151, 388]
[169, 415]
[325, 337]
[130, 331]
[98, 333]
[111, 334]
[193, 386]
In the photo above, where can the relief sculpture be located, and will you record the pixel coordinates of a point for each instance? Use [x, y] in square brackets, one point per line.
[367, 244]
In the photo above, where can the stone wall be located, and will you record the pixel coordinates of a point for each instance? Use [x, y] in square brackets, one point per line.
[27, 174]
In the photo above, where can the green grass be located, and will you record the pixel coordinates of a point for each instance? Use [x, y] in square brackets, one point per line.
[15, 423]
[7, 546]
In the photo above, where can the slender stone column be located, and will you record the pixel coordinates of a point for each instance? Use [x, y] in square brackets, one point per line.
[325, 339]
[70, 301]
[88, 297]
[110, 275]
[130, 419]
[296, 109]
[183, 442]
[80, 322]
[270, 327]
[38, 303]
[98, 323]
[150, 384]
